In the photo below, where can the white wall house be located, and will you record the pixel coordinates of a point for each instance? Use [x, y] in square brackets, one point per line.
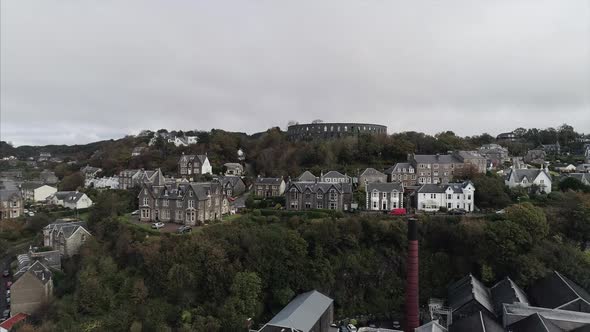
[527, 177]
[70, 199]
[431, 197]
[384, 196]
[37, 192]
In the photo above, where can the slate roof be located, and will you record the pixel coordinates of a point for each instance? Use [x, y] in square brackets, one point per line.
[433, 326]
[261, 180]
[398, 166]
[67, 228]
[8, 188]
[385, 186]
[555, 290]
[506, 291]
[307, 176]
[436, 159]
[530, 174]
[302, 312]
[40, 271]
[62, 195]
[334, 174]
[322, 186]
[371, 172]
[469, 289]
[442, 188]
[534, 323]
[31, 185]
[565, 319]
[232, 180]
[478, 322]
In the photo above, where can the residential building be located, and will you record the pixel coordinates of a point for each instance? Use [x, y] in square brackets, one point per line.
[232, 186]
[268, 187]
[183, 140]
[188, 203]
[32, 289]
[11, 200]
[308, 312]
[552, 149]
[319, 195]
[90, 172]
[191, 165]
[307, 176]
[535, 156]
[130, 178]
[110, 182]
[371, 175]
[66, 235]
[582, 177]
[566, 168]
[495, 154]
[384, 196]
[335, 177]
[431, 197]
[402, 172]
[528, 178]
[12, 323]
[48, 177]
[70, 199]
[442, 168]
[584, 168]
[44, 156]
[51, 259]
[233, 169]
[36, 191]
[510, 137]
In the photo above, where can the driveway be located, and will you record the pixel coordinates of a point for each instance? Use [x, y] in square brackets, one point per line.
[168, 227]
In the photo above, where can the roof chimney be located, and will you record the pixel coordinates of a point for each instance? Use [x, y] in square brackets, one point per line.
[412, 317]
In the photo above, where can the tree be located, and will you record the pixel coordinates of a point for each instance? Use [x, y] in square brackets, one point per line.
[72, 182]
[573, 184]
[244, 302]
[531, 218]
[490, 192]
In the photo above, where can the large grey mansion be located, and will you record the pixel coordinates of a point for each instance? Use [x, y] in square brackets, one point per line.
[325, 130]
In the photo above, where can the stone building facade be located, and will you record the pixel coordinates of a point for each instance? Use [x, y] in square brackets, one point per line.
[326, 130]
[318, 195]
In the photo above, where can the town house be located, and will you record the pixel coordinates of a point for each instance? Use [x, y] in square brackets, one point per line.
[191, 165]
[432, 197]
[66, 235]
[319, 195]
[268, 187]
[384, 196]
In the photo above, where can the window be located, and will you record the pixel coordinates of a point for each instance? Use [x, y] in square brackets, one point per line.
[308, 205]
[432, 195]
[458, 196]
[165, 202]
[191, 204]
[375, 194]
[145, 201]
[294, 194]
[449, 196]
[449, 205]
[190, 194]
[332, 195]
[384, 195]
[293, 204]
[332, 206]
[320, 205]
[178, 204]
[319, 195]
[469, 197]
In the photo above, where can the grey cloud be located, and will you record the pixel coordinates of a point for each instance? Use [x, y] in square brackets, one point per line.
[87, 70]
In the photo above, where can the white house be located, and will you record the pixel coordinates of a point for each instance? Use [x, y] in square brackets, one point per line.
[431, 197]
[70, 199]
[527, 177]
[183, 141]
[384, 196]
[111, 182]
[566, 169]
[36, 191]
[335, 177]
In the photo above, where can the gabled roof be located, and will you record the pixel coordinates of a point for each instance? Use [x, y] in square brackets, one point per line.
[229, 179]
[307, 176]
[371, 172]
[40, 271]
[12, 321]
[321, 186]
[506, 291]
[32, 185]
[470, 289]
[555, 291]
[534, 323]
[303, 312]
[565, 319]
[478, 322]
[334, 174]
[529, 174]
[457, 188]
[398, 167]
[432, 326]
[385, 186]
[66, 228]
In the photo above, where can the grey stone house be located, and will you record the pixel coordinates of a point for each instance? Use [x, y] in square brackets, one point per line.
[191, 165]
[268, 187]
[66, 235]
[188, 203]
[33, 288]
[384, 196]
[232, 186]
[371, 175]
[318, 195]
[402, 172]
[233, 169]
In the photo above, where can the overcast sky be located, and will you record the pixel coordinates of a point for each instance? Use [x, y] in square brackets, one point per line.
[81, 71]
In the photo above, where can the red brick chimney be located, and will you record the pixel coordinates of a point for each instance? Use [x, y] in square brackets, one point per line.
[412, 314]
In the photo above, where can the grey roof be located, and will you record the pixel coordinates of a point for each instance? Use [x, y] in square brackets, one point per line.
[436, 159]
[506, 291]
[530, 174]
[371, 172]
[555, 290]
[302, 312]
[66, 227]
[322, 186]
[582, 177]
[442, 188]
[191, 157]
[61, 195]
[228, 179]
[583, 167]
[40, 271]
[334, 174]
[565, 319]
[432, 326]
[470, 289]
[385, 186]
[31, 185]
[307, 176]
[233, 165]
[534, 323]
[478, 322]
[8, 189]
[261, 180]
